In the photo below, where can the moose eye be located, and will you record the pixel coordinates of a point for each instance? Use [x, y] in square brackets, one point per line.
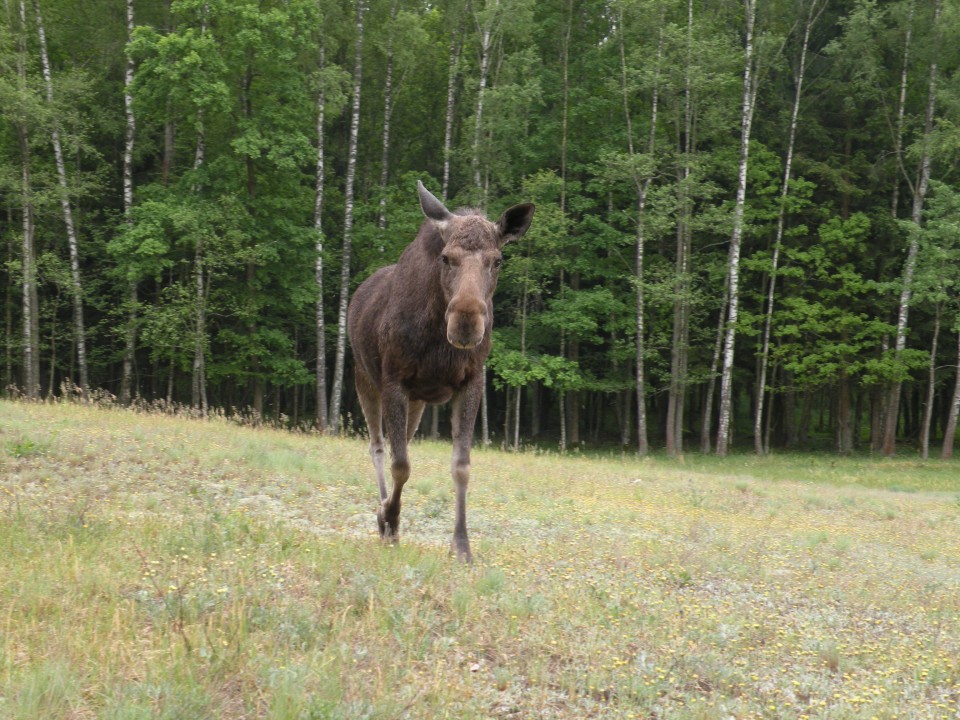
[498, 262]
[445, 260]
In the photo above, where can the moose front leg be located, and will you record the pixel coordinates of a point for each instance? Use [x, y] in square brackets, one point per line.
[395, 416]
[463, 417]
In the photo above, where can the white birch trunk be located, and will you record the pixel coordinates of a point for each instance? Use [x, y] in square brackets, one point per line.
[706, 423]
[31, 324]
[642, 188]
[76, 283]
[931, 389]
[336, 398]
[901, 112]
[387, 115]
[950, 431]
[126, 381]
[485, 42]
[916, 216]
[565, 117]
[318, 275]
[759, 446]
[452, 71]
[733, 273]
[199, 377]
[31, 308]
[679, 340]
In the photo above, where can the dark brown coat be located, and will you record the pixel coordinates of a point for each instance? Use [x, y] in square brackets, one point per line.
[420, 332]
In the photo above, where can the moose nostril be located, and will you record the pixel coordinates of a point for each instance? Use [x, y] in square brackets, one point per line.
[465, 331]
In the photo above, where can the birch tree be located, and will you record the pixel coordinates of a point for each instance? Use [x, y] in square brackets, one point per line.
[950, 431]
[30, 301]
[813, 13]
[919, 188]
[198, 380]
[387, 116]
[453, 72]
[733, 263]
[321, 372]
[642, 187]
[487, 22]
[126, 380]
[65, 204]
[336, 395]
[679, 350]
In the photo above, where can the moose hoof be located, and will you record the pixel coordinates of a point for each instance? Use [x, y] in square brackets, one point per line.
[389, 532]
[461, 549]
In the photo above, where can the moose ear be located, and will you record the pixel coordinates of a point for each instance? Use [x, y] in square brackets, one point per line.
[514, 222]
[432, 208]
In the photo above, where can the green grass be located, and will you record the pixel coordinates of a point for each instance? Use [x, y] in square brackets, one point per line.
[155, 567]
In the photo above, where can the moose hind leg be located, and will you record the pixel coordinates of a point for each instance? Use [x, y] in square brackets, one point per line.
[373, 413]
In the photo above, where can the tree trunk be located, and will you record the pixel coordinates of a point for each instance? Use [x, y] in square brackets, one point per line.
[198, 379]
[642, 187]
[321, 398]
[931, 388]
[486, 32]
[759, 447]
[680, 332]
[916, 216]
[336, 395]
[484, 410]
[387, 115]
[901, 111]
[485, 43]
[126, 380]
[31, 306]
[562, 394]
[199, 376]
[844, 426]
[76, 283]
[706, 422]
[733, 272]
[8, 381]
[523, 353]
[452, 71]
[950, 429]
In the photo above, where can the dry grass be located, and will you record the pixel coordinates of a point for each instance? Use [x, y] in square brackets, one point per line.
[155, 567]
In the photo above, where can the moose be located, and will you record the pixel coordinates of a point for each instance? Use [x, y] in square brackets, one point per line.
[420, 332]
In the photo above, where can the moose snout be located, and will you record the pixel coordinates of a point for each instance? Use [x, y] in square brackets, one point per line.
[466, 324]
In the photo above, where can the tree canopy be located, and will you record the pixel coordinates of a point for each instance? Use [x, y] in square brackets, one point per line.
[816, 140]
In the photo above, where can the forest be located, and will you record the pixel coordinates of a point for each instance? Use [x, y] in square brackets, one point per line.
[748, 213]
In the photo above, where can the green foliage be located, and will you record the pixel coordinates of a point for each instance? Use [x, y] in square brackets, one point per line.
[566, 125]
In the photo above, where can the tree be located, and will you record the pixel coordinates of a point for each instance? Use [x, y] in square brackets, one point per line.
[126, 381]
[77, 284]
[733, 273]
[759, 445]
[19, 106]
[337, 390]
[919, 187]
[641, 182]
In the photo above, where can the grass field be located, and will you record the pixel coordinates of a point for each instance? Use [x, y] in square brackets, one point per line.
[156, 567]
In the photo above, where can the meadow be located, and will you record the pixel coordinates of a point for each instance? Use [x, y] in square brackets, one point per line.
[162, 567]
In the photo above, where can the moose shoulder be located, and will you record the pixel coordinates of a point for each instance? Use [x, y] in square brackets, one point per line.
[420, 332]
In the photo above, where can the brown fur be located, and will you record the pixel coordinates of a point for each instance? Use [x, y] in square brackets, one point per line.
[420, 332]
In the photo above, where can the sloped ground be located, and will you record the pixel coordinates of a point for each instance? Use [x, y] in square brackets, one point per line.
[155, 567]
